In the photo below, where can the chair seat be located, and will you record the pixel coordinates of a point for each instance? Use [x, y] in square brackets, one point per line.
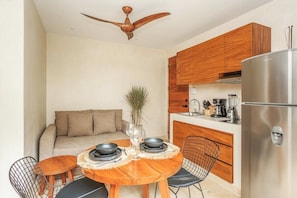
[182, 179]
[83, 188]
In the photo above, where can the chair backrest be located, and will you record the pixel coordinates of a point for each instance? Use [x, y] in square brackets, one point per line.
[200, 154]
[24, 178]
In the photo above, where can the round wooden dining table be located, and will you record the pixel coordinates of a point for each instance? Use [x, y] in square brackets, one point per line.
[137, 172]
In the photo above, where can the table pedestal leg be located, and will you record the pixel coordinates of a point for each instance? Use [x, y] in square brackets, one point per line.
[51, 188]
[145, 191]
[42, 186]
[63, 178]
[114, 191]
[70, 175]
[163, 187]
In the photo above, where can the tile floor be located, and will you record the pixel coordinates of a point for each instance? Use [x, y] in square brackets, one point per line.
[211, 189]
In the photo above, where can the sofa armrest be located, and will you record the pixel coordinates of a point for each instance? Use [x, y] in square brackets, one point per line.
[125, 125]
[47, 142]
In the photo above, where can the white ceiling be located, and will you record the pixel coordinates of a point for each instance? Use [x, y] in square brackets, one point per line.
[188, 18]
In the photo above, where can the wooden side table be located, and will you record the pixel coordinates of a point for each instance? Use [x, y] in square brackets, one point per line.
[58, 165]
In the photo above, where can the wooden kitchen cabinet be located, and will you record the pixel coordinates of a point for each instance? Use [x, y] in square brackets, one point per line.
[246, 41]
[223, 167]
[178, 95]
[201, 63]
[205, 62]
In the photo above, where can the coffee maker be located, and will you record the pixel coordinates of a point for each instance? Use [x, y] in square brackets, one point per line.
[232, 113]
[220, 107]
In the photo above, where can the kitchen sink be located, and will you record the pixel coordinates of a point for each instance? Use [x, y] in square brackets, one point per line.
[217, 119]
[222, 120]
[191, 113]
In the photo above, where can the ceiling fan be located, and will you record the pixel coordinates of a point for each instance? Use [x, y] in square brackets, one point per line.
[129, 27]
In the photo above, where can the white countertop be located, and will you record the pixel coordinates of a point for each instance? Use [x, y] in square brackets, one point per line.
[210, 122]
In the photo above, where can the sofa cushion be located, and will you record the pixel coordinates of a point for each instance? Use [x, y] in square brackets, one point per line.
[66, 145]
[80, 124]
[118, 116]
[104, 122]
[62, 120]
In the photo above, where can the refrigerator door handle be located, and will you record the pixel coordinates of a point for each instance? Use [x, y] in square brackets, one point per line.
[277, 135]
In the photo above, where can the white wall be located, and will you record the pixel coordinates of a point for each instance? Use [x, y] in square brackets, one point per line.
[11, 89]
[35, 79]
[277, 14]
[89, 74]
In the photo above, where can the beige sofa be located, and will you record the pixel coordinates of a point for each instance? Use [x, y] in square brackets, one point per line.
[75, 131]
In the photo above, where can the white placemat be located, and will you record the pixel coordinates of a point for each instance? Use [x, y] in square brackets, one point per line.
[84, 161]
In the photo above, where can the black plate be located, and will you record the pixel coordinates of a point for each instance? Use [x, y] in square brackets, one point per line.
[93, 155]
[147, 149]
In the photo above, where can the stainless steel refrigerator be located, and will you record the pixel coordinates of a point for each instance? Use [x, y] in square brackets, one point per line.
[269, 125]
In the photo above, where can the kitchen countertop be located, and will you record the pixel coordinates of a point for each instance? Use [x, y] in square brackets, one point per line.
[208, 122]
[213, 123]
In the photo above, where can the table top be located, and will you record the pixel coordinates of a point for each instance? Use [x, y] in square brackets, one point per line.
[58, 164]
[137, 172]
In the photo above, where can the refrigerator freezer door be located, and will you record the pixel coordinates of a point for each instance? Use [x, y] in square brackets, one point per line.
[268, 169]
[270, 78]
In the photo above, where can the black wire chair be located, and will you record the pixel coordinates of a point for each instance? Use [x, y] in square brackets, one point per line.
[28, 180]
[199, 154]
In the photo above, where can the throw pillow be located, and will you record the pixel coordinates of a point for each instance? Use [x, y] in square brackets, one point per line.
[62, 120]
[80, 124]
[104, 122]
[118, 116]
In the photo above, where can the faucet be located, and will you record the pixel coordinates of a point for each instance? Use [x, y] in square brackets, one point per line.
[195, 101]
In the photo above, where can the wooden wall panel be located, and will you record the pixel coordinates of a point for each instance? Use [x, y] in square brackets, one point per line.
[178, 95]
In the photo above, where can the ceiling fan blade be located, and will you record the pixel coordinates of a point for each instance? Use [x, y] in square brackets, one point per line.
[127, 27]
[102, 20]
[149, 18]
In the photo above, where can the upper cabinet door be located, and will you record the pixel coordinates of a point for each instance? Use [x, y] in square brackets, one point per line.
[201, 63]
[244, 42]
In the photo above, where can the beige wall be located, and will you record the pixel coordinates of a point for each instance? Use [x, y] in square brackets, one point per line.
[11, 89]
[34, 79]
[89, 74]
[22, 85]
